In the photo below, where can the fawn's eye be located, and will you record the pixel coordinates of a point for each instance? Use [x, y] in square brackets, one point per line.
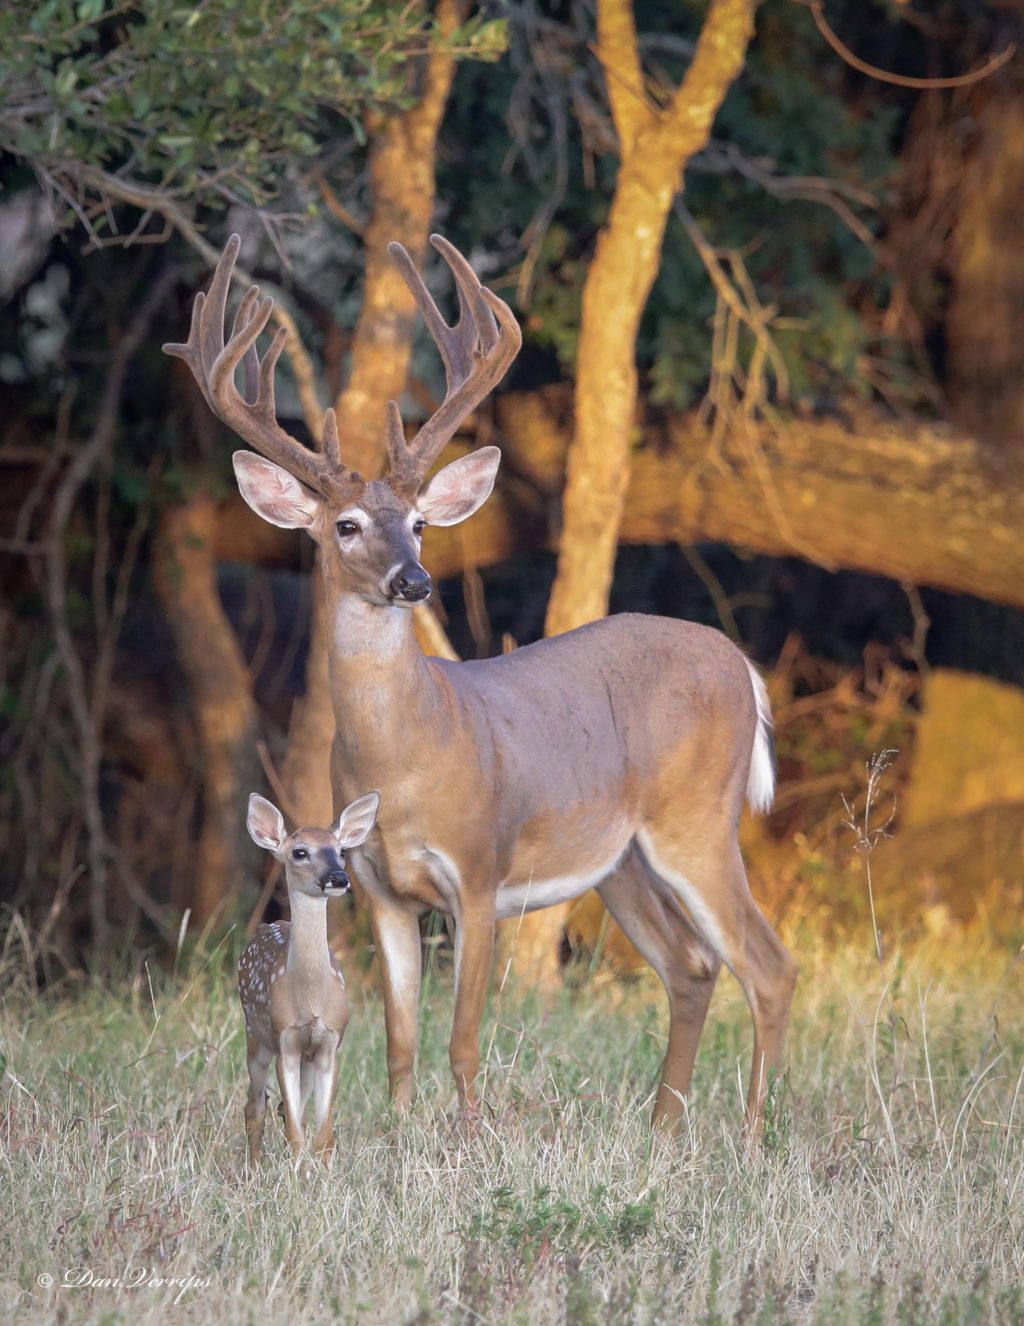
[300, 854]
[418, 527]
[346, 528]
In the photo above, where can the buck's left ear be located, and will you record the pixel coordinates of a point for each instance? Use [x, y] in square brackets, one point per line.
[460, 488]
[357, 820]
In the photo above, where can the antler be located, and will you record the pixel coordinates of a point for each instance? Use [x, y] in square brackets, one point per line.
[476, 353]
[253, 416]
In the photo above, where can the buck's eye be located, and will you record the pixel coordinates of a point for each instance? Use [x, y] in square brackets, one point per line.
[418, 527]
[346, 528]
[300, 854]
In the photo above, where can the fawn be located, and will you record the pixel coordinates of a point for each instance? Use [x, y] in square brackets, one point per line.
[289, 982]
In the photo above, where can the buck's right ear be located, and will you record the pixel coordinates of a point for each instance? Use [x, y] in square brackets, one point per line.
[273, 493]
[265, 823]
[461, 488]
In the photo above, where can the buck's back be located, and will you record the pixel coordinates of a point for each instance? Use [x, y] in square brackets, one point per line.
[624, 689]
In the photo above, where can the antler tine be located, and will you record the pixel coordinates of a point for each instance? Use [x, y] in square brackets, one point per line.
[211, 321]
[476, 351]
[436, 325]
[471, 295]
[399, 468]
[251, 360]
[252, 415]
[189, 350]
[331, 441]
[457, 343]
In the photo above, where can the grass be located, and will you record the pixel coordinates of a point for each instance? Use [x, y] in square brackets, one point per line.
[890, 1187]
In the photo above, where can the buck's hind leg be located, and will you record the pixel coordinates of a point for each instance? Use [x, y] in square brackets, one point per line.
[474, 950]
[706, 873]
[258, 1062]
[687, 966]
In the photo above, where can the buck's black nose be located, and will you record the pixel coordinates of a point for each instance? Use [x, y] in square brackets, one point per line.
[412, 583]
[337, 879]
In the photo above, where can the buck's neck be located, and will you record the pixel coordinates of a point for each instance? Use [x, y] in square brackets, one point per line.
[308, 951]
[380, 681]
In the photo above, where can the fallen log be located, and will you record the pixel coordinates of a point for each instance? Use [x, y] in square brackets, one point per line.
[915, 501]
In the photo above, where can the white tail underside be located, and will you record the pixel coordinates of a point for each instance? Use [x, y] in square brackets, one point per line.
[761, 780]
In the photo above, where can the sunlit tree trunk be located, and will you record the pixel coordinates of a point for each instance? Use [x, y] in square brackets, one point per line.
[220, 692]
[403, 153]
[986, 312]
[655, 145]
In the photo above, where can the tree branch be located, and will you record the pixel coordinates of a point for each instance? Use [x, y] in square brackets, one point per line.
[155, 200]
[619, 55]
[718, 59]
[903, 80]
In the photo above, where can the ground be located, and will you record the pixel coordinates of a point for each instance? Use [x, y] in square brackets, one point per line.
[890, 1187]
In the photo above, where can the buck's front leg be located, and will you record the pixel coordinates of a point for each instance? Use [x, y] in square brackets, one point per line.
[396, 933]
[474, 951]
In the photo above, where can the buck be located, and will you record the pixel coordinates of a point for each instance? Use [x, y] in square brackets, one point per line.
[290, 985]
[614, 757]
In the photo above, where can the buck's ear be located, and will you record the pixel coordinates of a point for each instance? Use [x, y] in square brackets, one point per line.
[273, 493]
[357, 820]
[265, 823]
[460, 488]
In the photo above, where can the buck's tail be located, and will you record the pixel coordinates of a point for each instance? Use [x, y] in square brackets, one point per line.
[761, 780]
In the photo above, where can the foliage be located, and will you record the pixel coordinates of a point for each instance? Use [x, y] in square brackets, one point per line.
[543, 1222]
[791, 139]
[214, 102]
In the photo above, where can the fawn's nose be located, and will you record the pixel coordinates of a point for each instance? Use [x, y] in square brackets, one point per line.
[337, 879]
[411, 583]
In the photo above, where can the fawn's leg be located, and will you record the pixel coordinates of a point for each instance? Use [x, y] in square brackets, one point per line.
[325, 1074]
[306, 1080]
[258, 1061]
[289, 1076]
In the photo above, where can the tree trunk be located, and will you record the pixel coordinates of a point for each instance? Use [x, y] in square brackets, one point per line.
[986, 313]
[221, 695]
[403, 152]
[655, 147]
[305, 770]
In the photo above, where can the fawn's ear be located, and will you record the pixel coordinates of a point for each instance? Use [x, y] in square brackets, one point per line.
[273, 493]
[357, 820]
[461, 488]
[265, 823]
